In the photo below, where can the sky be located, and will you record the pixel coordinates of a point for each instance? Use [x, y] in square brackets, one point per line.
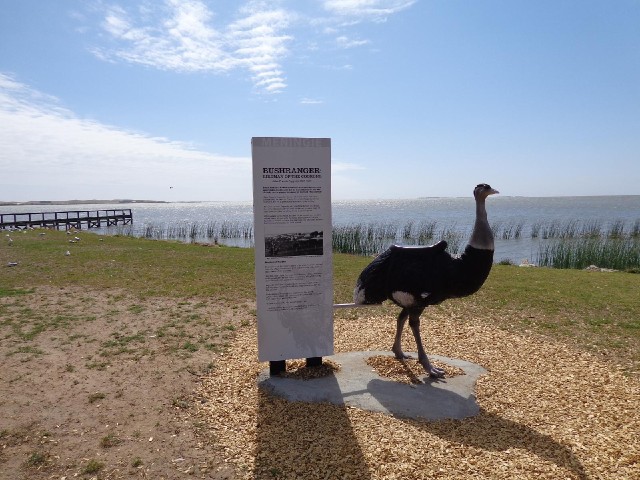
[159, 100]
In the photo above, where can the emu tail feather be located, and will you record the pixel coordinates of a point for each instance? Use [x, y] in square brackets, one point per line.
[371, 287]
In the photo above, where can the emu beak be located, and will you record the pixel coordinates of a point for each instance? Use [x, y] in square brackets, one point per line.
[493, 191]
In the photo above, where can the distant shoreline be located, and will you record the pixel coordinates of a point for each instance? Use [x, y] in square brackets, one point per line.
[77, 202]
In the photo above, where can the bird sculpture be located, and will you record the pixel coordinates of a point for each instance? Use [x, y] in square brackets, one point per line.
[414, 277]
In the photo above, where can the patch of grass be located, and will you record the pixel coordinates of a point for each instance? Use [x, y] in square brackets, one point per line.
[110, 440]
[93, 466]
[123, 340]
[214, 347]
[631, 324]
[12, 292]
[136, 309]
[136, 462]
[36, 459]
[598, 322]
[94, 397]
[142, 267]
[35, 330]
[29, 350]
[190, 347]
[100, 366]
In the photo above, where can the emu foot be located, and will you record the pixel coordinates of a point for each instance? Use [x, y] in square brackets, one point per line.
[400, 355]
[434, 372]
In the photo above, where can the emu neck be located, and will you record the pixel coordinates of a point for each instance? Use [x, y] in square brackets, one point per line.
[482, 236]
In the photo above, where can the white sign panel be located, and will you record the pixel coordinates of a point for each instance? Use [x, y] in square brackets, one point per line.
[292, 228]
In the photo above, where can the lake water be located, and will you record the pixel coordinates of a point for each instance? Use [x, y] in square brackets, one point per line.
[506, 215]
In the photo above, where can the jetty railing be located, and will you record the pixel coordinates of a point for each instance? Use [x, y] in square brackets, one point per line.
[66, 220]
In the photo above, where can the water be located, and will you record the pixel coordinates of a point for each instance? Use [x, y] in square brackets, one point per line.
[449, 213]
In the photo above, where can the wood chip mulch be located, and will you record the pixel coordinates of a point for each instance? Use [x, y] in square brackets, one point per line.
[298, 369]
[548, 411]
[407, 371]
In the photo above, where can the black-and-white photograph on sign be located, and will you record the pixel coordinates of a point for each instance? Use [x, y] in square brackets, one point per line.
[292, 244]
[292, 227]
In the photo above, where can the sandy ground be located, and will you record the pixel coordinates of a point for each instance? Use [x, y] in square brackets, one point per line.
[103, 393]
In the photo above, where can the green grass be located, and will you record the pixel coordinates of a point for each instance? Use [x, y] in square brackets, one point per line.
[93, 466]
[592, 308]
[36, 459]
[110, 440]
[145, 267]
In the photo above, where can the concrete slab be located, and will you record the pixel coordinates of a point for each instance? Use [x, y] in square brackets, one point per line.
[357, 384]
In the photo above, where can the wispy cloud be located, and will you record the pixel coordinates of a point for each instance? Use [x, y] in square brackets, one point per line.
[345, 42]
[257, 37]
[311, 101]
[376, 10]
[184, 39]
[41, 142]
[338, 167]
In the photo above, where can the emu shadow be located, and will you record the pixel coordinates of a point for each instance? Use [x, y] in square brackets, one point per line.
[424, 401]
[488, 431]
[306, 440]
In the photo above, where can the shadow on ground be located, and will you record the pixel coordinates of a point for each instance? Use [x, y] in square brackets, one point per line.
[306, 440]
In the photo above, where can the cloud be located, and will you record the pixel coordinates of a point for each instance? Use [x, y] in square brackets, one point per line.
[44, 143]
[257, 37]
[345, 42]
[338, 167]
[376, 10]
[311, 101]
[184, 39]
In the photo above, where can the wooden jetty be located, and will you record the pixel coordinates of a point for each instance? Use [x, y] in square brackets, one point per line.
[66, 220]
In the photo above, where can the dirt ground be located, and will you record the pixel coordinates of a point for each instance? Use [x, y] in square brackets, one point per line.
[101, 385]
[97, 384]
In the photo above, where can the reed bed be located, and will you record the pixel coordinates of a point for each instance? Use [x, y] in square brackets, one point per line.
[372, 238]
[618, 253]
[570, 244]
[211, 232]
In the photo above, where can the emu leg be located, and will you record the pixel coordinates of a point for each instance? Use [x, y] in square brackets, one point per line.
[414, 323]
[397, 348]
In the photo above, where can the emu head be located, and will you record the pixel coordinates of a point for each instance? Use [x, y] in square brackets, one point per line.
[483, 190]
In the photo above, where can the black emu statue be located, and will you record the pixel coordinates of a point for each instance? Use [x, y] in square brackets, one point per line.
[415, 277]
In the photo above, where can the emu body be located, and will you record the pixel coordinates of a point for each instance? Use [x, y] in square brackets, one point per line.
[415, 277]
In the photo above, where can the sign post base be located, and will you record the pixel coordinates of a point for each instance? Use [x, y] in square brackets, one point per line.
[314, 362]
[277, 367]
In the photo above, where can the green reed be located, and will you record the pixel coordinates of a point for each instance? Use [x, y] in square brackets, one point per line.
[373, 238]
[619, 253]
[571, 244]
[190, 231]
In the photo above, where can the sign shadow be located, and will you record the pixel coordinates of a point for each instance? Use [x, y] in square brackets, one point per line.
[298, 439]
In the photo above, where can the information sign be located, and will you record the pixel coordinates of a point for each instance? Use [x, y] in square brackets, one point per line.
[292, 231]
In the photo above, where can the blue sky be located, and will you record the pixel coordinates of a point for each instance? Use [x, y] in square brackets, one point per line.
[126, 99]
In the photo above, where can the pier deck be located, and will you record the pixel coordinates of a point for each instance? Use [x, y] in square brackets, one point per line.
[66, 220]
